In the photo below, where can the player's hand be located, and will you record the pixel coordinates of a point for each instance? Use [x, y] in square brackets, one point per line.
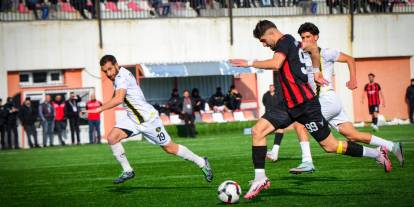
[238, 62]
[310, 47]
[351, 84]
[319, 79]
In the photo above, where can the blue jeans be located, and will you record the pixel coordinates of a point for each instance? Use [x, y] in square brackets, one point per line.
[48, 126]
[94, 126]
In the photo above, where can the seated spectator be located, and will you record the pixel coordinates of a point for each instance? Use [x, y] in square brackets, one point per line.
[198, 101]
[187, 114]
[217, 101]
[81, 5]
[233, 99]
[306, 6]
[173, 102]
[35, 5]
[28, 116]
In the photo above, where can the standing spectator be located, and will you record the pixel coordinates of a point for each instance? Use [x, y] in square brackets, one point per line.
[174, 101]
[3, 121]
[12, 111]
[72, 111]
[60, 119]
[94, 120]
[47, 116]
[234, 99]
[409, 97]
[373, 92]
[187, 113]
[35, 5]
[217, 101]
[81, 5]
[198, 101]
[28, 117]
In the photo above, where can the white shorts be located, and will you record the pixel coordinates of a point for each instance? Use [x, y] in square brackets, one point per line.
[152, 130]
[332, 110]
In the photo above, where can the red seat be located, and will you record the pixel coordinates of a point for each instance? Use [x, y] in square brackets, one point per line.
[228, 116]
[165, 119]
[249, 115]
[207, 117]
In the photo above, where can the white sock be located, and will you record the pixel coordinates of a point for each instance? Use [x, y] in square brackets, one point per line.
[275, 149]
[378, 141]
[370, 152]
[306, 153]
[186, 154]
[259, 174]
[119, 153]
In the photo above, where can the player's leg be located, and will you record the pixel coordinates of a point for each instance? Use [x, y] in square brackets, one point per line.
[259, 132]
[273, 155]
[114, 140]
[374, 113]
[155, 133]
[352, 134]
[307, 163]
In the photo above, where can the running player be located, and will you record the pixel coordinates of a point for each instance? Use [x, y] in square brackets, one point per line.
[373, 91]
[301, 104]
[331, 105]
[141, 118]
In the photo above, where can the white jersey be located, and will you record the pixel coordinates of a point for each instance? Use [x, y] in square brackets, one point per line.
[328, 58]
[138, 109]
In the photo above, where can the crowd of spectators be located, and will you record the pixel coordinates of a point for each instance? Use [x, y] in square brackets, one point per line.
[52, 116]
[43, 9]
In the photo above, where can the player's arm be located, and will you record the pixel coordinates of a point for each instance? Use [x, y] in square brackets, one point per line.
[382, 98]
[363, 94]
[115, 101]
[344, 58]
[271, 64]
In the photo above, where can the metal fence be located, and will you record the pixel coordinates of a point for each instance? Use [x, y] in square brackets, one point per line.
[26, 10]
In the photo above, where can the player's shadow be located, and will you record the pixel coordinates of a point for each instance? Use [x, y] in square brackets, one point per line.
[301, 180]
[130, 189]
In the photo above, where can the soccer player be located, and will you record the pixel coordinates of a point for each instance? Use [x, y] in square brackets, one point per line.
[271, 100]
[373, 91]
[301, 103]
[141, 118]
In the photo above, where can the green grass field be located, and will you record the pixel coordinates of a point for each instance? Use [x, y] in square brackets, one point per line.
[82, 175]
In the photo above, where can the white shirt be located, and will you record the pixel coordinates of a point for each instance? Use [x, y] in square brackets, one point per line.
[136, 106]
[328, 58]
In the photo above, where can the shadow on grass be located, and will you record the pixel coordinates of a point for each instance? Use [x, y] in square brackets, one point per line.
[130, 189]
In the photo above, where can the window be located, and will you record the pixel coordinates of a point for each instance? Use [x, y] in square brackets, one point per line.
[41, 78]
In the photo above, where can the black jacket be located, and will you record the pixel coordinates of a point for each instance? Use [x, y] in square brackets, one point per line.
[69, 112]
[181, 104]
[409, 95]
[270, 101]
[3, 115]
[217, 99]
[11, 116]
[28, 115]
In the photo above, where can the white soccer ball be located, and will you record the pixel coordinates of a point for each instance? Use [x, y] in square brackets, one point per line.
[229, 191]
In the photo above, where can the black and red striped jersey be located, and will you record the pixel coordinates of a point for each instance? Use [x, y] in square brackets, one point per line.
[293, 75]
[372, 90]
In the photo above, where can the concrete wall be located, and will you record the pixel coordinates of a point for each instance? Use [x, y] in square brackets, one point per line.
[75, 44]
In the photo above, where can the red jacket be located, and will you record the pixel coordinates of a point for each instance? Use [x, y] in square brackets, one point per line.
[59, 110]
[93, 105]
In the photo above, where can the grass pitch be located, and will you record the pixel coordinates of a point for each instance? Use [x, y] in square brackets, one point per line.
[82, 175]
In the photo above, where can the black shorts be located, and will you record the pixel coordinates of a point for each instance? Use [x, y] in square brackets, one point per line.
[373, 108]
[308, 113]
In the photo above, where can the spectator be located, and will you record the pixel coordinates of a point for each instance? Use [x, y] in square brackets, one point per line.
[306, 6]
[217, 101]
[60, 119]
[173, 102]
[198, 101]
[47, 116]
[35, 5]
[373, 92]
[72, 111]
[28, 116]
[12, 135]
[187, 114]
[6, 5]
[3, 122]
[409, 97]
[233, 99]
[81, 5]
[246, 3]
[94, 120]
[196, 5]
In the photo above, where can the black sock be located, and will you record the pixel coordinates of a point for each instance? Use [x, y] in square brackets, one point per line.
[375, 120]
[354, 149]
[259, 156]
[278, 138]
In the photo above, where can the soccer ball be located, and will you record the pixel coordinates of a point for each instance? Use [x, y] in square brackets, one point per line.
[229, 191]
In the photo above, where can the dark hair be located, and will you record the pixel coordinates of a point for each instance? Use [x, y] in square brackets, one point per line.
[371, 74]
[412, 79]
[107, 58]
[261, 27]
[308, 27]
